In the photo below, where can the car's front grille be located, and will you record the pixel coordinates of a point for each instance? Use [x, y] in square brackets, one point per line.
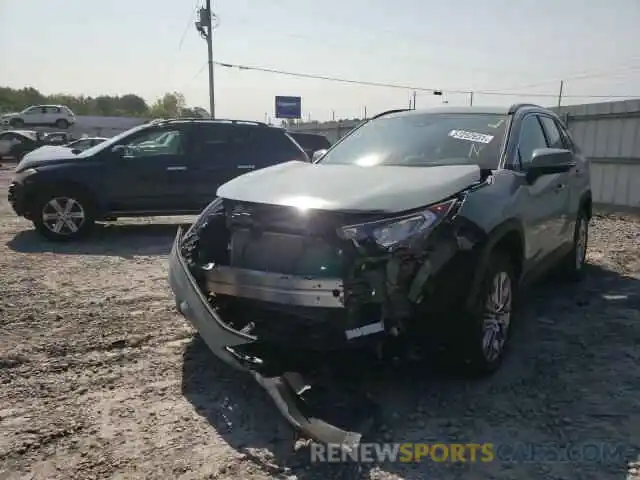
[268, 217]
[277, 218]
[285, 253]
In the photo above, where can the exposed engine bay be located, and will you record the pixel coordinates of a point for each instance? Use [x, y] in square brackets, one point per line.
[286, 277]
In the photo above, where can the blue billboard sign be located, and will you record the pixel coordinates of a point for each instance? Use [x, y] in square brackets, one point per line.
[288, 107]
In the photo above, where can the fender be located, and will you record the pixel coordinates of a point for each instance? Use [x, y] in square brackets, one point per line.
[67, 184]
[485, 249]
[586, 202]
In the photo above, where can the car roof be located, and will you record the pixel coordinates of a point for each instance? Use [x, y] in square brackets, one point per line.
[487, 110]
[223, 121]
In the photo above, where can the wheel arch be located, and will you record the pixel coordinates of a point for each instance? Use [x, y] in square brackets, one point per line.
[586, 204]
[67, 186]
[507, 237]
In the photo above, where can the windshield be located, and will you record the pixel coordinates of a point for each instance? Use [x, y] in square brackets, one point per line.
[427, 139]
[111, 141]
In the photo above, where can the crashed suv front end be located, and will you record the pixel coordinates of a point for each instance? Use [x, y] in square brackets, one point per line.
[301, 266]
[278, 290]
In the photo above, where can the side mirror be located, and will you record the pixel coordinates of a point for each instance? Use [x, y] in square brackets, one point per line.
[318, 154]
[76, 151]
[547, 161]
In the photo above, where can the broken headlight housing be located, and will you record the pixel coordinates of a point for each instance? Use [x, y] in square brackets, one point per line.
[214, 207]
[389, 232]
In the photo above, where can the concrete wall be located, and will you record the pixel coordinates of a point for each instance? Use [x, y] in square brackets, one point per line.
[608, 133]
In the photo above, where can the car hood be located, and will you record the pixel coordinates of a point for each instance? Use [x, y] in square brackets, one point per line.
[46, 155]
[350, 187]
[8, 115]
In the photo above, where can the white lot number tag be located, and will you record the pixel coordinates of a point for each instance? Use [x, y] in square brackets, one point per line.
[471, 136]
[365, 330]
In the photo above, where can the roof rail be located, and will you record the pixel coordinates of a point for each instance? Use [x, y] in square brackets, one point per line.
[517, 106]
[206, 119]
[387, 112]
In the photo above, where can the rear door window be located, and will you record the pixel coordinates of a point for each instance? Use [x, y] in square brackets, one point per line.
[311, 142]
[531, 138]
[566, 138]
[271, 145]
[554, 138]
[222, 144]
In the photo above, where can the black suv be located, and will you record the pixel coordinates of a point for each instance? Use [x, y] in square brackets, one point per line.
[311, 142]
[168, 167]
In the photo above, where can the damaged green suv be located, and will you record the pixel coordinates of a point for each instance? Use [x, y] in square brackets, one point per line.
[417, 225]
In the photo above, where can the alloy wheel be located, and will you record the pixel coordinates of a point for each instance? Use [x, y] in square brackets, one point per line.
[63, 215]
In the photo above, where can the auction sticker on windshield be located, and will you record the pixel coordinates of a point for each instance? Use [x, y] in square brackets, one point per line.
[470, 136]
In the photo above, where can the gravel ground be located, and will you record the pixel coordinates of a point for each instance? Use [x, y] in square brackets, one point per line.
[100, 378]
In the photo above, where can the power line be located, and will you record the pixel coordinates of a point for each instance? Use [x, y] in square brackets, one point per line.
[188, 25]
[204, 65]
[169, 70]
[333, 44]
[406, 87]
[582, 76]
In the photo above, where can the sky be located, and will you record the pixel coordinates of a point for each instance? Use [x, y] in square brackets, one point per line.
[149, 47]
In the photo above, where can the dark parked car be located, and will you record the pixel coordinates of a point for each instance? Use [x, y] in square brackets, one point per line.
[15, 144]
[416, 230]
[132, 174]
[311, 142]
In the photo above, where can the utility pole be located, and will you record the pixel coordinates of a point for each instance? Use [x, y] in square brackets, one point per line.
[365, 112]
[471, 99]
[560, 93]
[205, 25]
[413, 96]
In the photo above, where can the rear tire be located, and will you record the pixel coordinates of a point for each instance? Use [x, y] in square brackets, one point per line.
[62, 215]
[485, 331]
[62, 123]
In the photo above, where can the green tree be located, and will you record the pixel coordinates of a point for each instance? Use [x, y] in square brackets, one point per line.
[171, 104]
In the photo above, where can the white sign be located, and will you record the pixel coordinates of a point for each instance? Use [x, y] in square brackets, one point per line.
[366, 330]
[470, 136]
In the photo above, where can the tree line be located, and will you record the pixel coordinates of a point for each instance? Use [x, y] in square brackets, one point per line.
[171, 104]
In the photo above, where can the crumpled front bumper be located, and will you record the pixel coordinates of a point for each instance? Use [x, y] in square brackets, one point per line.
[289, 390]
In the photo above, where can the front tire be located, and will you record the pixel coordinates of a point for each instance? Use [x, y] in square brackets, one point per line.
[572, 267]
[486, 331]
[16, 123]
[63, 216]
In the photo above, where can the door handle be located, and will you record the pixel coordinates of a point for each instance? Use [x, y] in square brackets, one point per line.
[560, 187]
[176, 169]
[246, 166]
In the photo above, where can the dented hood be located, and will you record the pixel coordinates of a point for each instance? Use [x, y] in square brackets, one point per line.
[350, 187]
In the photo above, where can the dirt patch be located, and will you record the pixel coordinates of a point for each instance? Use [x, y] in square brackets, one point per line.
[101, 378]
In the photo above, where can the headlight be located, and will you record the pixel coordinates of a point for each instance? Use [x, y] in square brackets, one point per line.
[209, 210]
[28, 171]
[389, 232]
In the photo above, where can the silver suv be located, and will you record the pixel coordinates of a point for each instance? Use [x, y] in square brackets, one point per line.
[58, 116]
